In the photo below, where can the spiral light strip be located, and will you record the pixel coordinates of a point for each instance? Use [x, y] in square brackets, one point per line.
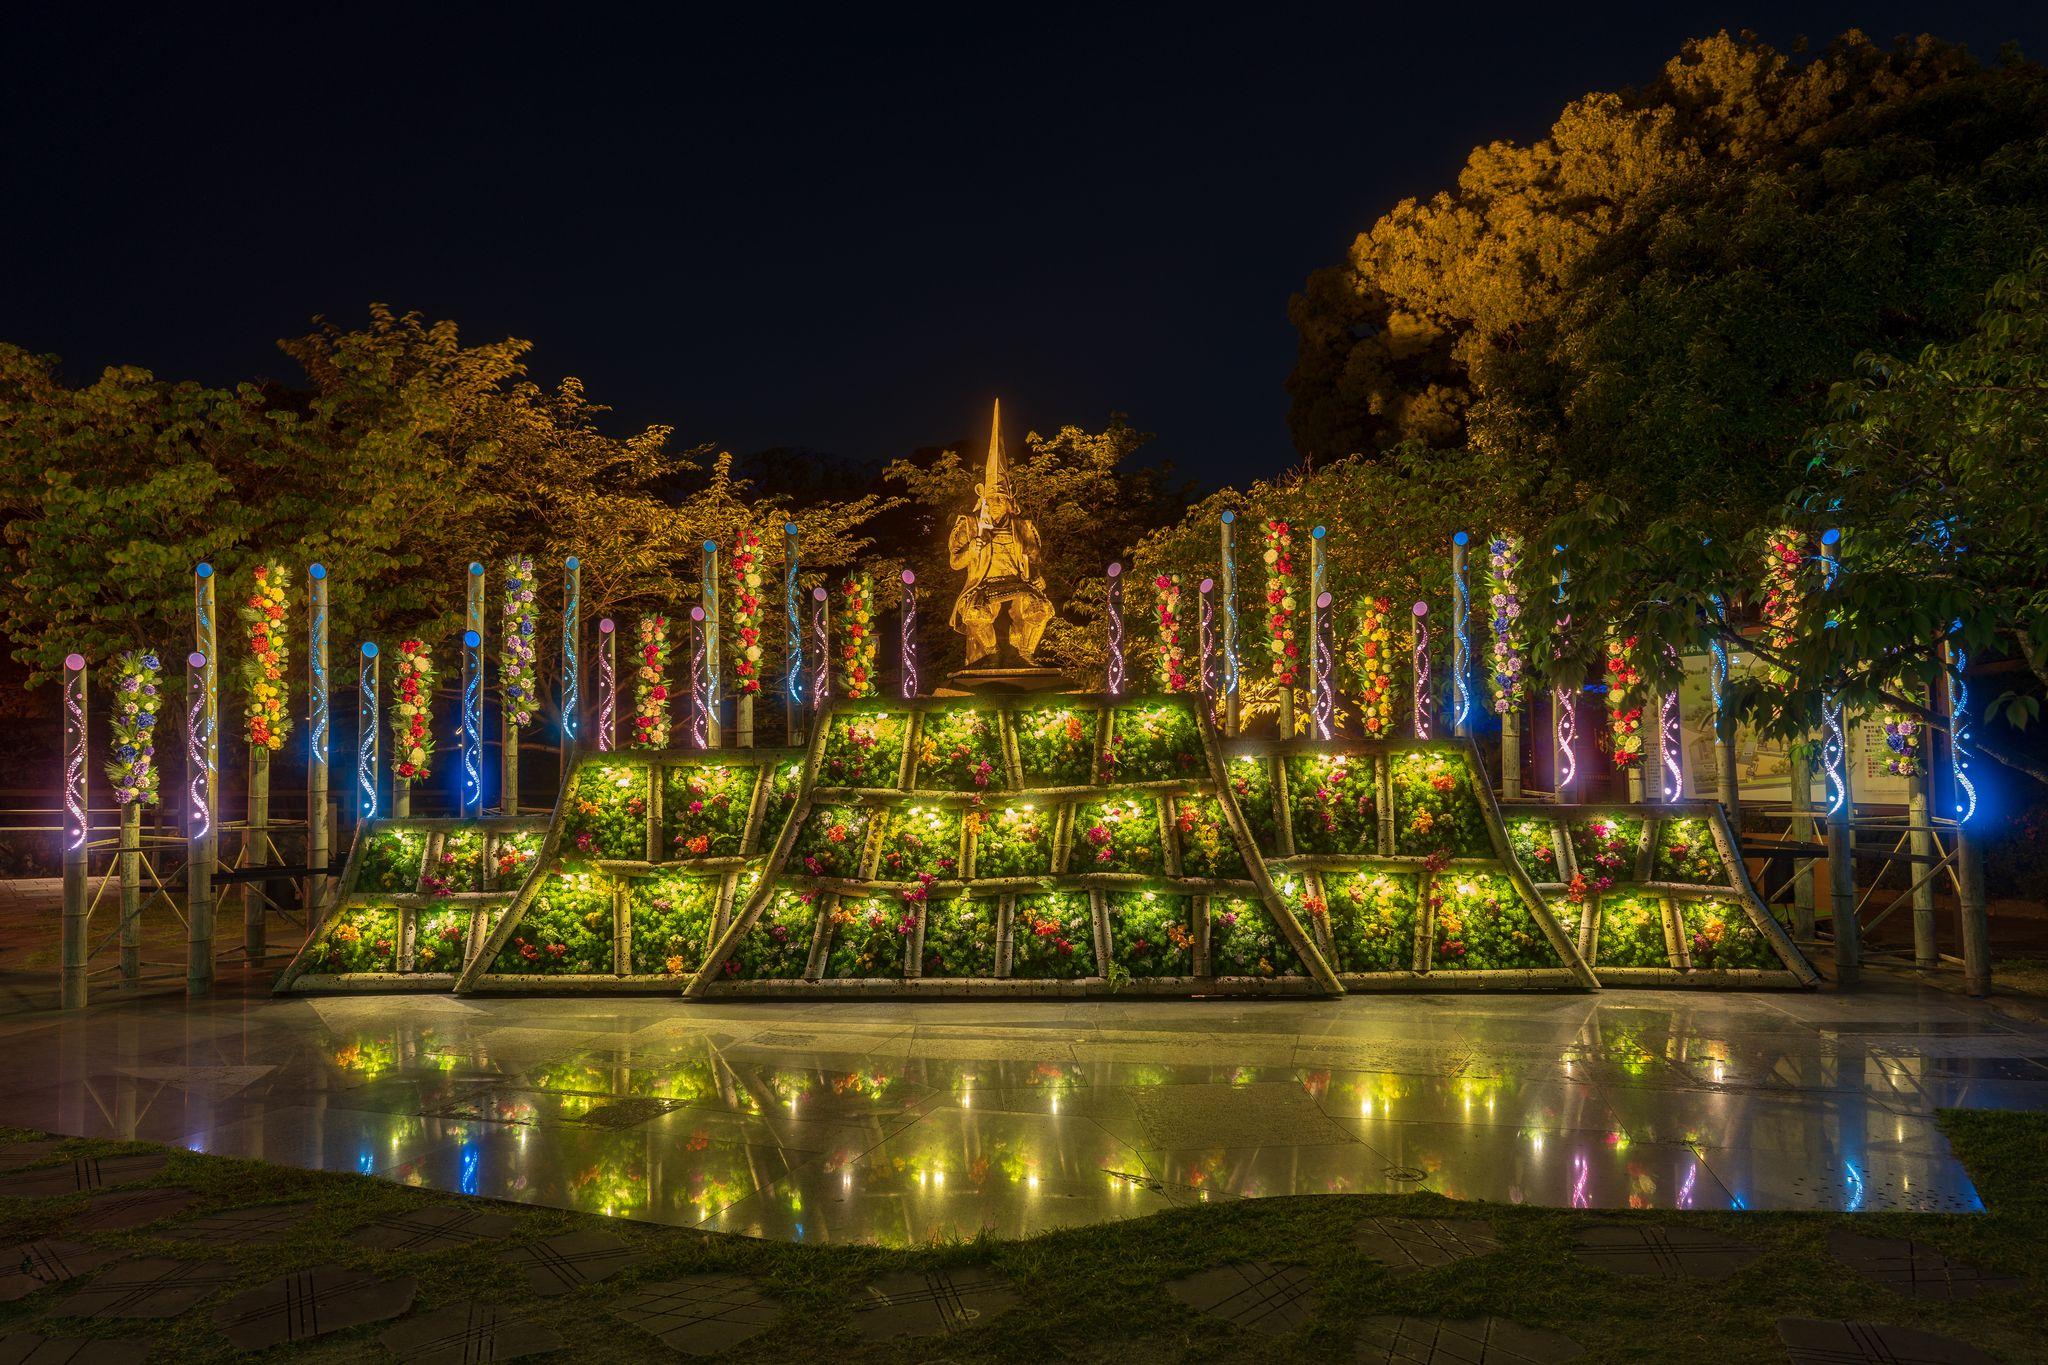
[607, 683]
[366, 733]
[1115, 609]
[572, 694]
[700, 681]
[1959, 738]
[472, 722]
[793, 662]
[821, 636]
[1461, 642]
[1324, 681]
[1669, 738]
[197, 788]
[74, 752]
[1420, 664]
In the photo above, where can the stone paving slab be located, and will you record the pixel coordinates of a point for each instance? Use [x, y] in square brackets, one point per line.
[1662, 1252]
[1259, 1296]
[26, 1348]
[149, 1287]
[931, 1303]
[434, 1229]
[242, 1227]
[36, 1265]
[1471, 1341]
[467, 1334]
[1820, 1341]
[557, 1265]
[700, 1315]
[119, 1210]
[311, 1303]
[1420, 1243]
[1914, 1269]
[83, 1173]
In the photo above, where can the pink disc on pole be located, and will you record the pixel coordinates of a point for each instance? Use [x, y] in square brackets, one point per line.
[606, 626]
[74, 661]
[1422, 608]
[909, 577]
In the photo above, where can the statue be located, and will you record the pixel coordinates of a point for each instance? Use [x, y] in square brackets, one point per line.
[1005, 570]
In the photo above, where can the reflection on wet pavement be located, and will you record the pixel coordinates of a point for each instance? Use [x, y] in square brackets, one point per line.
[899, 1123]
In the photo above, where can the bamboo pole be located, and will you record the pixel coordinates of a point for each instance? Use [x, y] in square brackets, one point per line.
[256, 847]
[572, 663]
[607, 684]
[792, 640]
[1420, 689]
[908, 646]
[77, 828]
[1113, 616]
[317, 707]
[1841, 810]
[1226, 580]
[1975, 926]
[198, 830]
[714, 701]
[369, 742]
[131, 892]
[821, 639]
[1461, 639]
[199, 969]
[473, 692]
[1724, 725]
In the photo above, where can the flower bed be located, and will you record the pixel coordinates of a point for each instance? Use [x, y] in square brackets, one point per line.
[1013, 841]
[778, 947]
[704, 809]
[1481, 925]
[1251, 783]
[1116, 834]
[960, 750]
[1056, 745]
[864, 749]
[870, 937]
[784, 781]
[1372, 920]
[568, 927]
[1207, 848]
[1149, 933]
[1052, 937]
[960, 937]
[1534, 848]
[1435, 812]
[921, 844]
[1605, 847]
[672, 915]
[831, 841]
[1244, 941]
[512, 857]
[437, 940]
[361, 938]
[391, 861]
[1687, 852]
[459, 866]
[1720, 936]
[606, 815]
[1631, 933]
[1333, 803]
[1151, 743]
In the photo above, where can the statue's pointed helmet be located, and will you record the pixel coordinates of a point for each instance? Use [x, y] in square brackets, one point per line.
[995, 476]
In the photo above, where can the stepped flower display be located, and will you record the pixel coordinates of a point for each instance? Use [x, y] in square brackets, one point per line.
[706, 807]
[1482, 925]
[1152, 744]
[1056, 745]
[138, 679]
[412, 712]
[1013, 841]
[1624, 701]
[650, 689]
[518, 687]
[605, 812]
[1605, 847]
[745, 612]
[1052, 937]
[1374, 667]
[864, 749]
[1333, 803]
[960, 937]
[1149, 933]
[1631, 932]
[1510, 672]
[959, 750]
[265, 693]
[1280, 604]
[1372, 920]
[1117, 834]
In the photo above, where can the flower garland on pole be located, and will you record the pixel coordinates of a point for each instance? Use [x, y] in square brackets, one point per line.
[264, 689]
[1510, 637]
[745, 612]
[650, 691]
[1375, 668]
[138, 675]
[516, 681]
[1784, 555]
[857, 635]
[412, 715]
[1280, 609]
[1173, 658]
[1624, 701]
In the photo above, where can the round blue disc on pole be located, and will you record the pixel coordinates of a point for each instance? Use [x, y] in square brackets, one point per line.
[476, 568]
[369, 650]
[573, 562]
[1319, 532]
[203, 570]
[789, 528]
[471, 638]
[317, 571]
[1461, 539]
[710, 547]
[1229, 517]
[1831, 536]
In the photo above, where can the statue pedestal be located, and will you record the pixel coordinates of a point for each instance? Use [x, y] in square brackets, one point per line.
[983, 682]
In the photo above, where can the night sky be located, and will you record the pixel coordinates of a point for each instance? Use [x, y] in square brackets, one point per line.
[841, 236]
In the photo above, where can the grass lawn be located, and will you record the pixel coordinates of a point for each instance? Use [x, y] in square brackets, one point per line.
[1097, 1293]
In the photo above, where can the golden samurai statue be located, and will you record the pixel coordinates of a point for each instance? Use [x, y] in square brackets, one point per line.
[999, 550]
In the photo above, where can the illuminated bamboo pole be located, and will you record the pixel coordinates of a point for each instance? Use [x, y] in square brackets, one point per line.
[572, 659]
[1839, 806]
[1920, 837]
[317, 705]
[1419, 665]
[1227, 585]
[1724, 720]
[701, 726]
[205, 622]
[1113, 679]
[1670, 735]
[199, 780]
[1461, 637]
[1325, 682]
[1318, 573]
[607, 684]
[1975, 925]
[713, 698]
[1564, 706]
[472, 794]
[369, 751]
[255, 909]
[77, 827]
[792, 639]
[909, 636]
[1206, 641]
[821, 637]
[130, 862]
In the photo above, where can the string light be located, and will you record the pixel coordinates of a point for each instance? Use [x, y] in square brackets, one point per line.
[909, 635]
[316, 639]
[1564, 726]
[1230, 676]
[1206, 642]
[1959, 734]
[607, 682]
[1421, 670]
[1115, 611]
[1668, 736]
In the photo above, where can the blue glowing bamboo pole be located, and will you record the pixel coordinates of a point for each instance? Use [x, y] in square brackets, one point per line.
[1461, 637]
[1226, 585]
[72, 981]
[1839, 804]
[199, 797]
[792, 637]
[369, 751]
[713, 700]
[1975, 925]
[909, 636]
[472, 791]
[607, 684]
[317, 735]
[1113, 678]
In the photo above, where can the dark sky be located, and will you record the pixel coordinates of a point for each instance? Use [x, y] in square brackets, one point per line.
[842, 235]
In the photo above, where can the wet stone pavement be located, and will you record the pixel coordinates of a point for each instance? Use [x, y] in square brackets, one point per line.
[894, 1122]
